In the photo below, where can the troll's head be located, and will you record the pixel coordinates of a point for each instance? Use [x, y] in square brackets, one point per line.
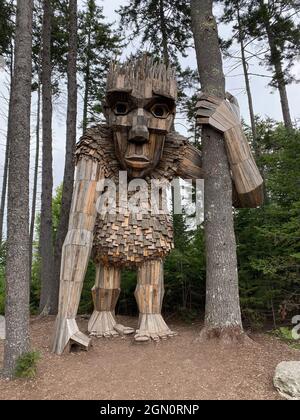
[140, 108]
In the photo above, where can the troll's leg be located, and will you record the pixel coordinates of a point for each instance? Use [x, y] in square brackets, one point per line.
[106, 293]
[149, 296]
[73, 267]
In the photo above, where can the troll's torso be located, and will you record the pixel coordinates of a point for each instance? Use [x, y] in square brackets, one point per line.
[126, 238]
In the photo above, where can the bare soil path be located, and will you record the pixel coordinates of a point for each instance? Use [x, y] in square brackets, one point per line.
[176, 369]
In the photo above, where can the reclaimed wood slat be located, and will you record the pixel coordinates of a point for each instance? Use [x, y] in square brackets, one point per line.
[246, 177]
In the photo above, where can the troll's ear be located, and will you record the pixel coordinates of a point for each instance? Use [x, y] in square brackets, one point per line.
[105, 108]
[234, 104]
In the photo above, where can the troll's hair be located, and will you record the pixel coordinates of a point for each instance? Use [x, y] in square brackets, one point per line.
[143, 76]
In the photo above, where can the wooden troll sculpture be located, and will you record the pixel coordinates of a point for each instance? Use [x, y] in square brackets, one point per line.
[137, 138]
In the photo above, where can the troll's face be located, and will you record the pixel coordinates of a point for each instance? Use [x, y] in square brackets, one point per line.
[140, 108]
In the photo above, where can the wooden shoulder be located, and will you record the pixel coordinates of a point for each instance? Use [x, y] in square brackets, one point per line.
[180, 158]
[172, 155]
[91, 143]
[190, 166]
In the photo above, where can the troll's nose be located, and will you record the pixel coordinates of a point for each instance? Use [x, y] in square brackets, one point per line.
[139, 134]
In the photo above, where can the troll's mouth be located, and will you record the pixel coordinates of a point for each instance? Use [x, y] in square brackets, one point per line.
[137, 158]
[137, 161]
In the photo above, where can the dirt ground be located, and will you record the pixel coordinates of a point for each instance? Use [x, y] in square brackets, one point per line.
[176, 369]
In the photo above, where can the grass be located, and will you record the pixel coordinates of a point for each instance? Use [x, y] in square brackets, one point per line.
[26, 367]
[285, 334]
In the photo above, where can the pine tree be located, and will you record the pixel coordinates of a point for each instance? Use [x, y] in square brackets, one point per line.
[7, 11]
[36, 164]
[46, 237]
[164, 30]
[273, 22]
[164, 26]
[70, 146]
[234, 11]
[98, 44]
[7, 27]
[58, 56]
[17, 266]
[51, 25]
[268, 238]
[223, 315]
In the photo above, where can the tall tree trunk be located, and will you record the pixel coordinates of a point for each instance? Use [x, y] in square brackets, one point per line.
[6, 159]
[165, 39]
[247, 80]
[276, 60]
[87, 86]
[163, 28]
[17, 265]
[223, 315]
[256, 147]
[5, 171]
[36, 172]
[46, 234]
[70, 146]
[280, 80]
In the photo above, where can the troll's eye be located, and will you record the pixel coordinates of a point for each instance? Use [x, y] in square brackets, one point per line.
[160, 111]
[121, 108]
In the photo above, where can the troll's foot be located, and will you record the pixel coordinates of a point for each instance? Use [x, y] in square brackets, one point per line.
[152, 327]
[103, 324]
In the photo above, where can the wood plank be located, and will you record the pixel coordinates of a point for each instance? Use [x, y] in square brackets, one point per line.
[245, 173]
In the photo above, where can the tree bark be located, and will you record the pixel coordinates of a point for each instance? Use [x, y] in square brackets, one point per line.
[36, 172]
[280, 80]
[17, 266]
[276, 60]
[163, 28]
[70, 147]
[5, 170]
[46, 234]
[165, 40]
[247, 80]
[223, 315]
[6, 159]
[87, 85]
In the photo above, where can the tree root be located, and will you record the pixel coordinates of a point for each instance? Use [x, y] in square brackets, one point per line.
[226, 336]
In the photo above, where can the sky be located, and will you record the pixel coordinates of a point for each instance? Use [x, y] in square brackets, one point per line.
[266, 99]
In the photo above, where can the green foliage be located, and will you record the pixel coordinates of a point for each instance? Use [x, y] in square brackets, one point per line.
[86, 303]
[127, 304]
[35, 288]
[7, 11]
[59, 42]
[164, 27]
[275, 19]
[26, 367]
[98, 44]
[2, 294]
[285, 334]
[185, 276]
[269, 238]
[56, 206]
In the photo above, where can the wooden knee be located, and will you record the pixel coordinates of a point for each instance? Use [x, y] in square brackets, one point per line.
[107, 289]
[149, 292]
